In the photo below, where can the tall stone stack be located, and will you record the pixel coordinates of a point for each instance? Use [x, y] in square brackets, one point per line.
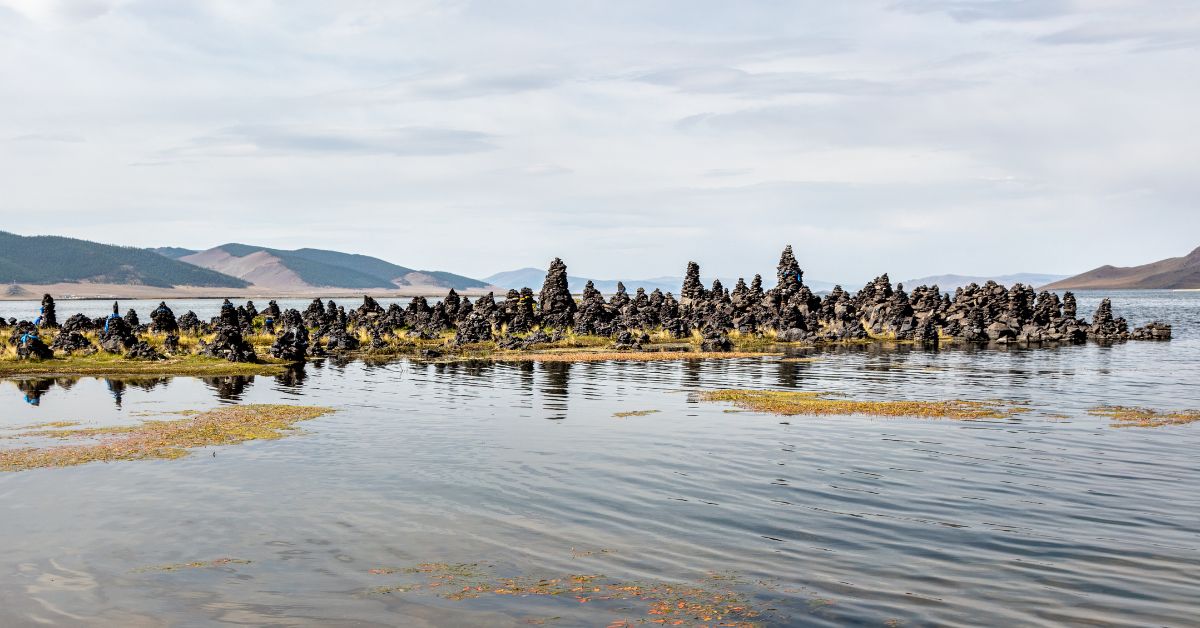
[48, 318]
[556, 306]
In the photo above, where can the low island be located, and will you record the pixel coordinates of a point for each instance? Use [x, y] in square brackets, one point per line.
[553, 324]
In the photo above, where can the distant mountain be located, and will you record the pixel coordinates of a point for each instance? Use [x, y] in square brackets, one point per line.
[533, 278]
[54, 259]
[949, 283]
[173, 252]
[316, 268]
[1174, 273]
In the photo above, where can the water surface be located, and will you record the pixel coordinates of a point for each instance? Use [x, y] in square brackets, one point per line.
[1048, 518]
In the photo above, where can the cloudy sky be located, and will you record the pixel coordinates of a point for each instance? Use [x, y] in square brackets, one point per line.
[909, 136]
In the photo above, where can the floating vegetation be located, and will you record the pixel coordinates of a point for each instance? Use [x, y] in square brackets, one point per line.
[584, 553]
[622, 415]
[800, 360]
[49, 425]
[663, 602]
[219, 562]
[633, 356]
[790, 403]
[227, 425]
[1128, 416]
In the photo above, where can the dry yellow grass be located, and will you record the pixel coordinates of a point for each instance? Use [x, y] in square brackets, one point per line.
[1126, 416]
[791, 403]
[227, 425]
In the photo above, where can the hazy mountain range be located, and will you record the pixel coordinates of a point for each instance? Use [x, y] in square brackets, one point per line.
[277, 269]
[948, 283]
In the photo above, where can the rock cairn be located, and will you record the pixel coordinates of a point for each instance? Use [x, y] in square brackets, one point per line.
[788, 312]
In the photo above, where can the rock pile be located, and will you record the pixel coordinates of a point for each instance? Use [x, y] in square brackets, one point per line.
[47, 318]
[229, 343]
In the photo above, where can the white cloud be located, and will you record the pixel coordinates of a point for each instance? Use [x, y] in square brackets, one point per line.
[911, 136]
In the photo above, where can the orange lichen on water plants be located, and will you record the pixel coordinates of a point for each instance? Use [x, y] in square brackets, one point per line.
[1126, 416]
[791, 403]
[228, 425]
[663, 603]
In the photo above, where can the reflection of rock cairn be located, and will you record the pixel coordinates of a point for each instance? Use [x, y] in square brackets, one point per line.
[556, 307]
[292, 344]
[47, 320]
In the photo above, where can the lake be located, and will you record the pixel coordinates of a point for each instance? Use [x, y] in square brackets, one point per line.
[432, 476]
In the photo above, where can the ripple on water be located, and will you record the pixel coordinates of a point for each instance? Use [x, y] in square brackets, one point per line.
[1041, 519]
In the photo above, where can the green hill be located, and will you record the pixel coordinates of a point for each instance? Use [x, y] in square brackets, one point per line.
[54, 259]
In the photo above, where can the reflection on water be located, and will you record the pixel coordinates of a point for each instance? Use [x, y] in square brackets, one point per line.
[1048, 518]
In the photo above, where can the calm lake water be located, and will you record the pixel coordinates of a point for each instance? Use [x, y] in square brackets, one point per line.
[1049, 518]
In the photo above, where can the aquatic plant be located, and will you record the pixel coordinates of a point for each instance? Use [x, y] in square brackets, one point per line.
[227, 425]
[664, 603]
[629, 413]
[219, 562]
[1129, 416]
[790, 403]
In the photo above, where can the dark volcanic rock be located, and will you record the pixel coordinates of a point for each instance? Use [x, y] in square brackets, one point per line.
[190, 323]
[29, 344]
[72, 342]
[556, 307]
[1152, 331]
[48, 318]
[163, 320]
[292, 344]
[476, 327]
[229, 343]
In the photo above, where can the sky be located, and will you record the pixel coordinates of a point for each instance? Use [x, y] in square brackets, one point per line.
[913, 137]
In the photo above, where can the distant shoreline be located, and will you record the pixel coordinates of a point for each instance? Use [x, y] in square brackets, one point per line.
[79, 291]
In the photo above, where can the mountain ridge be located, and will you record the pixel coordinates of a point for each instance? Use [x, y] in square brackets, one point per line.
[1172, 273]
[59, 259]
[304, 268]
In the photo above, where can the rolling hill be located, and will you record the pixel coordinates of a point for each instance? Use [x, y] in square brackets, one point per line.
[1175, 273]
[55, 259]
[315, 268]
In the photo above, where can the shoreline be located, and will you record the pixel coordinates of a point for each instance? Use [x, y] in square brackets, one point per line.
[86, 291]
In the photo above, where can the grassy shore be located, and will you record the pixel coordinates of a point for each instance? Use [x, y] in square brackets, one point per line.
[570, 347]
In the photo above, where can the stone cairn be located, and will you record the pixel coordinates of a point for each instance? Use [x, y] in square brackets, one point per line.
[789, 312]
